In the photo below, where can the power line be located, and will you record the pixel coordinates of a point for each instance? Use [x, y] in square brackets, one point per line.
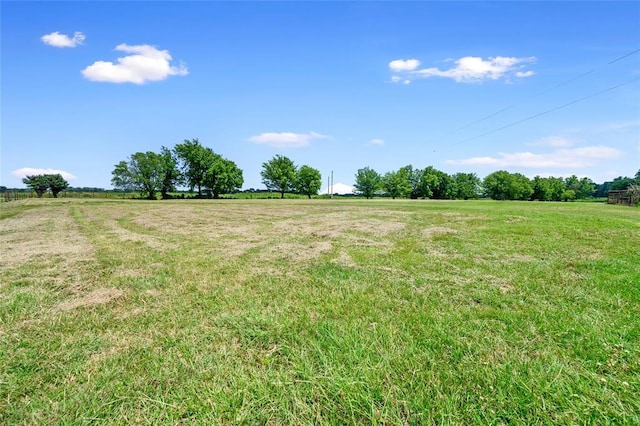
[623, 56]
[564, 83]
[549, 111]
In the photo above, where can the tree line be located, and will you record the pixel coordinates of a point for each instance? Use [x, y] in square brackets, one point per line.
[190, 164]
[198, 167]
[408, 182]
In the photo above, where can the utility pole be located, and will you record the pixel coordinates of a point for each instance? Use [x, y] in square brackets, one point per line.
[331, 184]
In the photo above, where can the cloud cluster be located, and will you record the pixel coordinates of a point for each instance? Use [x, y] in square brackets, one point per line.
[145, 63]
[56, 39]
[376, 142]
[286, 139]
[30, 171]
[573, 158]
[469, 69]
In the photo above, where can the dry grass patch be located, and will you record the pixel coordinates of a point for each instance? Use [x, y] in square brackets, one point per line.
[434, 231]
[42, 233]
[100, 296]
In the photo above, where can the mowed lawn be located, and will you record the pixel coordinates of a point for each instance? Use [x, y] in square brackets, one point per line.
[319, 312]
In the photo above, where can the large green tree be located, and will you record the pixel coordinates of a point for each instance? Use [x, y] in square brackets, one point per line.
[467, 186]
[308, 180]
[195, 162]
[279, 174]
[56, 184]
[368, 181]
[169, 173]
[413, 179]
[121, 177]
[223, 176]
[430, 180]
[38, 183]
[548, 189]
[142, 172]
[502, 185]
[397, 183]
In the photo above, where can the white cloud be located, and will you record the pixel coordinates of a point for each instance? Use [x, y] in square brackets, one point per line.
[469, 69]
[30, 171]
[562, 158]
[397, 79]
[56, 39]
[286, 139]
[145, 63]
[522, 74]
[338, 188]
[554, 142]
[400, 65]
[376, 142]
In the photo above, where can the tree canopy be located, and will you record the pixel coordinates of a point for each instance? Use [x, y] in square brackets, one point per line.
[195, 162]
[502, 185]
[188, 163]
[368, 181]
[308, 181]
[279, 174]
[143, 172]
[41, 183]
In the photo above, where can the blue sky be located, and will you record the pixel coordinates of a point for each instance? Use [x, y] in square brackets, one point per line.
[335, 85]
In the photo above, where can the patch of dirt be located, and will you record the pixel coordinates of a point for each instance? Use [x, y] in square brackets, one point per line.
[100, 296]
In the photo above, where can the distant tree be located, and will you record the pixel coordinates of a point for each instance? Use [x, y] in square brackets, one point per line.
[568, 195]
[56, 184]
[502, 185]
[637, 176]
[557, 186]
[397, 184]
[621, 183]
[602, 189]
[467, 186]
[232, 179]
[169, 173]
[3, 189]
[121, 177]
[547, 189]
[142, 172]
[38, 183]
[429, 182]
[223, 176]
[368, 181]
[446, 187]
[413, 179]
[308, 180]
[587, 188]
[279, 174]
[195, 161]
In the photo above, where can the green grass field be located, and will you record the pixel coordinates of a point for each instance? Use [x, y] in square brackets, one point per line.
[319, 312]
